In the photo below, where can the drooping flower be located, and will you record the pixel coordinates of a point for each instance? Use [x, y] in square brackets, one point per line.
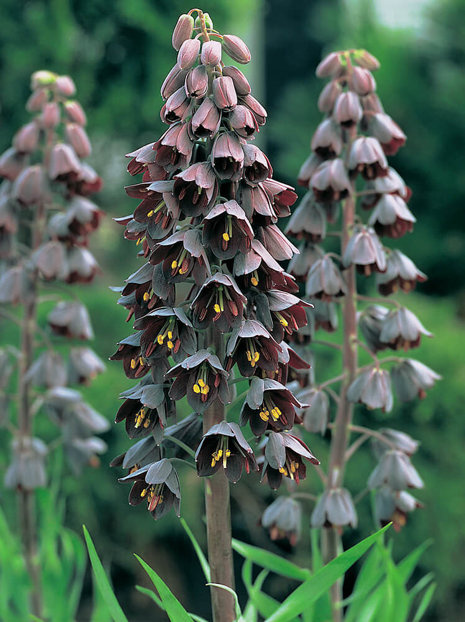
[284, 457]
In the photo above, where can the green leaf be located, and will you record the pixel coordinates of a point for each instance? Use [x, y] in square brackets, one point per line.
[102, 581]
[408, 564]
[202, 559]
[320, 582]
[425, 601]
[226, 588]
[420, 585]
[151, 594]
[171, 604]
[270, 561]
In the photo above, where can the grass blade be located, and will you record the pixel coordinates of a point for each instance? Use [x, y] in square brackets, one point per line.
[270, 561]
[202, 559]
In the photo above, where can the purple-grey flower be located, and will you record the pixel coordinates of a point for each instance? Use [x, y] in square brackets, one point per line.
[395, 439]
[315, 417]
[392, 217]
[308, 220]
[372, 388]
[196, 83]
[370, 322]
[411, 379]
[206, 119]
[325, 280]
[327, 139]
[183, 30]
[367, 157]
[330, 182]
[47, 371]
[402, 329]
[389, 134]
[227, 156]
[396, 471]
[27, 469]
[282, 519]
[241, 84]
[365, 251]
[83, 365]
[70, 319]
[401, 273]
[335, 508]
[347, 109]
[394, 506]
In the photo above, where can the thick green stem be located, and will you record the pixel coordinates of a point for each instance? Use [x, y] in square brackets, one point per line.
[218, 514]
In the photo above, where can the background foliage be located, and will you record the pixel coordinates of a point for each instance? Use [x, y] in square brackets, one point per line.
[118, 53]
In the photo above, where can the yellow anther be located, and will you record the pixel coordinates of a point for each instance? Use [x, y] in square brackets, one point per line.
[160, 339]
[278, 411]
[146, 423]
[282, 320]
[150, 213]
[146, 296]
[144, 492]
[274, 413]
[252, 363]
[201, 383]
[213, 462]
[283, 471]
[217, 308]
[196, 388]
[133, 364]
[182, 271]
[254, 281]
[170, 345]
[225, 237]
[293, 467]
[249, 356]
[256, 356]
[263, 416]
[228, 453]
[141, 360]
[170, 334]
[205, 390]
[139, 241]
[174, 265]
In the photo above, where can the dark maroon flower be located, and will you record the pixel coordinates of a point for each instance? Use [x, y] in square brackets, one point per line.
[182, 255]
[129, 351]
[284, 457]
[166, 332]
[389, 134]
[227, 156]
[253, 348]
[401, 273]
[227, 231]
[330, 182]
[158, 484]
[269, 405]
[281, 196]
[219, 301]
[259, 268]
[196, 188]
[365, 251]
[392, 217]
[367, 157]
[144, 411]
[202, 378]
[224, 446]
[257, 167]
[287, 312]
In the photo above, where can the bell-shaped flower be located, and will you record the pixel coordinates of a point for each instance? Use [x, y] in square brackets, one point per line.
[158, 485]
[219, 301]
[391, 217]
[83, 365]
[392, 183]
[27, 469]
[70, 319]
[224, 446]
[335, 508]
[284, 457]
[224, 93]
[396, 471]
[300, 264]
[330, 66]
[401, 273]
[29, 186]
[206, 120]
[227, 230]
[138, 455]
[76, 418]
[27, 138]
[166, 331]
[394, 507]
[183, 30]
[281, 196]
[308, 221]
[365, 251]
[327, 140]
[129, 351]
[367, 157]
[188, 53]
[81, 452]
[81, 265]
[158, 210]
[259, 268]
[144, 410]
[64, 163]
[202, 378]
[361, 81]
[77, 137]
[307, 169]
[347, 109]
[402, 329]
[411, 379]
[276, 242]
[243, 122]
[370, 322]
[325, 280]
[372, 388]
[241, 84]
[196, 83]
[288, 313]
[182, 255]
[393, 439]
[257, 167]
[196, 188]
[389, 134]
[12, 163]
[227, 156]
[330, 182]
[316, 416]
[253, 348]
[13, 285]
[325, 316]
[268, 404]
[282, 519]
[176, 108]
[255, 107]
[173, 150]
[47, 371]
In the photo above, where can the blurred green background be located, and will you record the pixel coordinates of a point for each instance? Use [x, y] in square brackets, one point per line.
[118, 54]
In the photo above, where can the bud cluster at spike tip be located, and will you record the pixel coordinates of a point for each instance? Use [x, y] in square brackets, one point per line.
[348, 158]
[206, 227]
[47, 183]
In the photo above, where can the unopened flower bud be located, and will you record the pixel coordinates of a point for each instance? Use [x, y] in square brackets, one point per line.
[188, 53]
[211, 53]
[328, 96]
[361, 81]
[241, 84]
[207, 19]
[78, 139]
[173, 81]
[236, 49]
[224, 93]
[183, 30]
[42, 78]
[196, 83]
[347, 109]
[75, 113]
[50, 115]
[65, 86]
[36, 100]
[366, 60]
[27, 138]
[330, 66]
[255, 106]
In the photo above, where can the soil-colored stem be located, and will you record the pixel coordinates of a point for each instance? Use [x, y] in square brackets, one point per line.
[218, 513]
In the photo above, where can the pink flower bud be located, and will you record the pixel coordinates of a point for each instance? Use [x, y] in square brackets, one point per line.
[50, 115]
[183, 30]
[29, 186]
[255, 106]
[173, 81]
[63, 162]
[42, 78]
[26, 139]
[243, 122]
[367, 60]
[211, 53]
[328, 96]
[196, 83]
[36, 100]
[361, 81]
[75, 113]
[347, 109]
[188, 53]
[330, 66]
[236, 49]
[241, 83]
[224, 93]
[12, 163]
[65, 86]
[77, 137]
